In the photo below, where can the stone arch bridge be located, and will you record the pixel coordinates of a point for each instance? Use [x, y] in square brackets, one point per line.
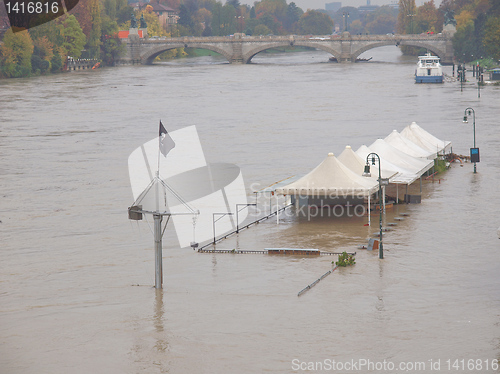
[240, 48]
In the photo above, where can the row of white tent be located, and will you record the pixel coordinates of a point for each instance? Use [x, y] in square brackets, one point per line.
[404, 158]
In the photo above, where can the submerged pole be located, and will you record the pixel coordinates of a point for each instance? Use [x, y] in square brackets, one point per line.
[158, 251]
[369, 210]
[277, 211]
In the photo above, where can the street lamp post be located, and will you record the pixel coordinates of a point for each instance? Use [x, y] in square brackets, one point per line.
[345, 15]
[411, 22]
[368, 174]
[467, 112]
[215, 220]
[239, 22]
[237, 211]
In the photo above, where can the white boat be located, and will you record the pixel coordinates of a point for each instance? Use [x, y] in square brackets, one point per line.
[429, 69]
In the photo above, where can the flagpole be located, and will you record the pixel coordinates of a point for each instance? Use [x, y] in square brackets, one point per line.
[157, 226]
[159, 152]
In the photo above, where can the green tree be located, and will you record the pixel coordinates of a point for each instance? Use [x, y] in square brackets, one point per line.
[110, 8]
[315, 23]
[463, 42]
[261, 29]
[270, 22]
[234, 3]
[217, 25]
[185, 18]
[56, 63]
[39, 65]
[494, 8]
[111, 47]
[94, 38]
[122, 13]
[293, 13]
[252, 12]
[73, 38]
[16, 52]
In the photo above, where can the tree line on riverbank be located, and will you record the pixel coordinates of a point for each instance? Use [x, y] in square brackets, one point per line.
[477, 25]
[90, 30]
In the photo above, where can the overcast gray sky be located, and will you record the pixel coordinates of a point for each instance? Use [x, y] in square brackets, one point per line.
[320, 4]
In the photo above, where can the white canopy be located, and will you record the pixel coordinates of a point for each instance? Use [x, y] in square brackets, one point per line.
[387, 151]
[330, 178]
[357, 164]
[424, 139]
[409, 147]
[403, 176]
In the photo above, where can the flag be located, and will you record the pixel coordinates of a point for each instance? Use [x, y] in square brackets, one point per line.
[166, 142]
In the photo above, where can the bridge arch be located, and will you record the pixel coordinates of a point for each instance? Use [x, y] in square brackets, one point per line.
[150, 54]
[247, 57]
[397, 42]
[434, 49]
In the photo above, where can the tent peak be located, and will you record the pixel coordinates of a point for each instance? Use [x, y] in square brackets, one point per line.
[330, 154]
[347, 147]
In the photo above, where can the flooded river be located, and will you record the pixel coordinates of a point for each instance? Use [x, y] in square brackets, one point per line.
[76, 276]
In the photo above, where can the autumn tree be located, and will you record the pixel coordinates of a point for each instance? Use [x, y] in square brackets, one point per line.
[16, 52]
[356, 27]
[153, 22]
[203, 17]
[491, 40]
[406, 15]
[82, 15]
[427, 17]
[315, 23]
[45, 49]
[381, 21]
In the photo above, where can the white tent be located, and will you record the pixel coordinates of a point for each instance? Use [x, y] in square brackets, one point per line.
[330, 178]
[409, 147]
[399, 158]
[424, 139]
[404, 176]
[357, 164]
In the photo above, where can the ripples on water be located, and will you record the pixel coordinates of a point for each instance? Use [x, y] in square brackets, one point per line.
[76, 275]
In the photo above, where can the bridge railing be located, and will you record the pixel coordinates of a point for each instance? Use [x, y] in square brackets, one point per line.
[312, 38]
